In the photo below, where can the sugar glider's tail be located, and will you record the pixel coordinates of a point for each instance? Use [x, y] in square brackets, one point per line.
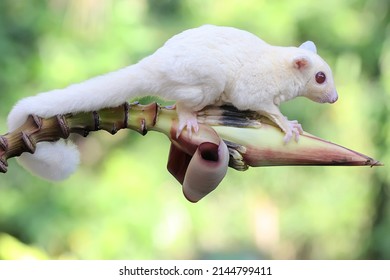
[58, 160]
[53, 161]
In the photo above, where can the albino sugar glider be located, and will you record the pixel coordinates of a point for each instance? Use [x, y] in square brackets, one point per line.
[198, 67]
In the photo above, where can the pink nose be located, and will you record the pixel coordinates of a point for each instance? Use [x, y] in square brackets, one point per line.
[334, 98]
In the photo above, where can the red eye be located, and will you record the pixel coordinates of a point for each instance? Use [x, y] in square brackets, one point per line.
[320, 77]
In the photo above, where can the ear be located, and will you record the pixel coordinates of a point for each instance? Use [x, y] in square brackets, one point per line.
[301, 62]
[309, 46]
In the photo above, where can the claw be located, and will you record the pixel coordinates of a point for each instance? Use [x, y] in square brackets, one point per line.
[287, 137]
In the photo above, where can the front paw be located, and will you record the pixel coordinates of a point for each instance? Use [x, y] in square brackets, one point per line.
[295, 129]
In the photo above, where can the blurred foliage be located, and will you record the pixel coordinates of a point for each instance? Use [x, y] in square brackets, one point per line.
[123, 204]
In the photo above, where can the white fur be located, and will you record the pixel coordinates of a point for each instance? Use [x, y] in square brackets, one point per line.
[52, 160]
[198, 67]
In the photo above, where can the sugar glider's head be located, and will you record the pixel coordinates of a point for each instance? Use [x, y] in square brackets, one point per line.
[317, 75]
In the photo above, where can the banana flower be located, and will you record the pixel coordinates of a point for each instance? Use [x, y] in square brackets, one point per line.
[226, 138]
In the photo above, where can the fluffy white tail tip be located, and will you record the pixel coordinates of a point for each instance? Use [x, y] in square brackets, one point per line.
[53, 161]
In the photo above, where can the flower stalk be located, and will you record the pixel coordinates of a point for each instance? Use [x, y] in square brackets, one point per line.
[252, 140]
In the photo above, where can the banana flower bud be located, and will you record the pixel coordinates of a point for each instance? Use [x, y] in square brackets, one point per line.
[226, 137]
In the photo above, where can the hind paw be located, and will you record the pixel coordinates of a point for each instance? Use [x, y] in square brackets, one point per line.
[187, 121]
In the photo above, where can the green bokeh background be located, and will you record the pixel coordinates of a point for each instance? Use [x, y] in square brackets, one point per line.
[123, 204]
